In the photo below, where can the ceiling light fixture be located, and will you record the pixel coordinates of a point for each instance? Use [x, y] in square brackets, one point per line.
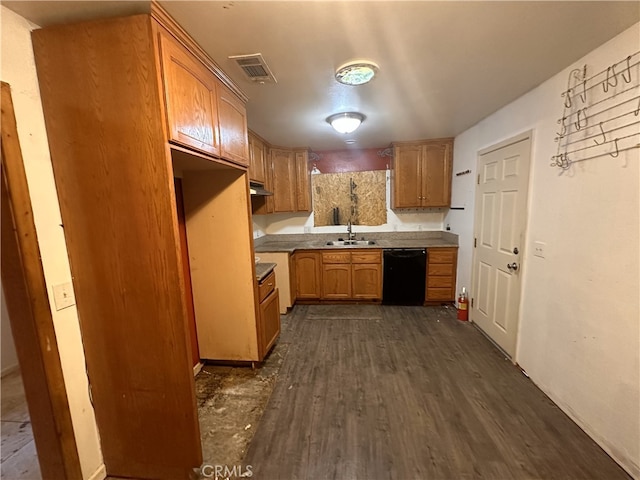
[356, 73]
[346, 122]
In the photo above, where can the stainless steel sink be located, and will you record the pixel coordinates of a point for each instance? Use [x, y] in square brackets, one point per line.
[350, 243]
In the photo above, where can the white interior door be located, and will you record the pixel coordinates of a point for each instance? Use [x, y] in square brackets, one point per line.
[500, 219]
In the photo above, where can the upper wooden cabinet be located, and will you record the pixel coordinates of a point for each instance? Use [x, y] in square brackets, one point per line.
[233, 127]
[283, 180]
[288, 179]
[202, 113]
[303, 190]
[422, 174]
[257, 159]
[191, 98]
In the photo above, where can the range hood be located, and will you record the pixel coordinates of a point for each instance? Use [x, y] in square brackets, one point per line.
[258, 190]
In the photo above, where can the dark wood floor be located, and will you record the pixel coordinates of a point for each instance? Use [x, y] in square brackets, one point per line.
[377, 392]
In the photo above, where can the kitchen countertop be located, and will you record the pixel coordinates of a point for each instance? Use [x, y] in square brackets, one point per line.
[291, 243]
[263, 269]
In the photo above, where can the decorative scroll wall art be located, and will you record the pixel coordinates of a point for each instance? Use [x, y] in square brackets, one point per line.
[601, 114]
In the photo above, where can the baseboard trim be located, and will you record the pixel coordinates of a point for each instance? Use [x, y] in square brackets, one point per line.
[197, 368]
[99, 474]
[8, 370]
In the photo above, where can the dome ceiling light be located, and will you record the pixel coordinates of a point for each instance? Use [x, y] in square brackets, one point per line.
[356, 73]
[346, 122]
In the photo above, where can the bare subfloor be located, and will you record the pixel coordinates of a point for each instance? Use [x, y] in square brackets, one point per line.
[231, 401]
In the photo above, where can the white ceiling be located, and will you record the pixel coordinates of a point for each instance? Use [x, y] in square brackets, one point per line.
[443, 65]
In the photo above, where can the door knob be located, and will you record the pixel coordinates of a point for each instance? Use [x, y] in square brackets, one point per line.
[516, 251]
[512, 266]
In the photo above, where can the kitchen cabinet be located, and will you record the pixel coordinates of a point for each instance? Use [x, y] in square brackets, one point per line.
[191, 98]
[336, 275]
[367, 275]
[201, 112]
[303, 181]
[308, 266]
[257, 159]
[269, 324]
[421, 174]
[288, 177]
[441, 274]
[140, 104]
[283, 180]
[352, 275]
[233, 127]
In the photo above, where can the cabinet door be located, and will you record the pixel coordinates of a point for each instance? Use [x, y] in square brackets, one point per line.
[336, 281]
[367, 281]
[283, 176]
[436, 175]
[269, 322]
[234, 144]
[407, 184]
[256, 159]
[303, 192]
[307, 275]
[190, 96]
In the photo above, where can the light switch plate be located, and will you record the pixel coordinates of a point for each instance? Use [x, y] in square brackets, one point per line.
[539, 249]
[63, 295]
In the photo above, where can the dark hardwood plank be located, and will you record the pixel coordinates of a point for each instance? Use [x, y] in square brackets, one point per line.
[409, 392]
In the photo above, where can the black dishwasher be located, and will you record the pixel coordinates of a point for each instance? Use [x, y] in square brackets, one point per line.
[404, 277]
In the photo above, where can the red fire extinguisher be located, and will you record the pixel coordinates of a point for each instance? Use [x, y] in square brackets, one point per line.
[463, 306]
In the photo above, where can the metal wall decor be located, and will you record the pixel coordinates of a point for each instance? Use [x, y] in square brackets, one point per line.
[601, 114]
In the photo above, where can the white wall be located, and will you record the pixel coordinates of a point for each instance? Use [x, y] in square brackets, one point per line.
[9, 359]
[407, 220]
[579, 337]
[18, 70]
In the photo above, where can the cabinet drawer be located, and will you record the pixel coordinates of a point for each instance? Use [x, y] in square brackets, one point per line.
[266, 286]
[441, 255]
[440, 294]
[366, 257]
[441, 269]
[336, 257]
[439, 282]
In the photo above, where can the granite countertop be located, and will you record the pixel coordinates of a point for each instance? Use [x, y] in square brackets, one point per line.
[291, 243]
[263, 269]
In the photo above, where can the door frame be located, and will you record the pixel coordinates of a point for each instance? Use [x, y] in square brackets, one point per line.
[527, 135]
[30, 315]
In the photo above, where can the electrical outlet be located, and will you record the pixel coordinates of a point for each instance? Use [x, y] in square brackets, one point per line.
[539, 249]
[63, 295]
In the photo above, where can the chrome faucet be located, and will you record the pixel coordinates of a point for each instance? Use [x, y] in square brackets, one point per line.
[352, 235]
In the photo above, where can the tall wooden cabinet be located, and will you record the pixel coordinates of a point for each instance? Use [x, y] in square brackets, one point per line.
[422, 174]
[144, 103]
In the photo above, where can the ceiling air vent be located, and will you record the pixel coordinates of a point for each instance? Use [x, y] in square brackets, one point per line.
[254, 67]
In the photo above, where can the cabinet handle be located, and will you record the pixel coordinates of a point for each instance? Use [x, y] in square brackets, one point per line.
[270, 284]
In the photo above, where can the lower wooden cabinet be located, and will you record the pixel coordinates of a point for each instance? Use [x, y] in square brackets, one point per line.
[269, 322]
[269, 319]
[366, 281]
[336, 281]
[441, 274]
[308, 275]
[352, 275]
